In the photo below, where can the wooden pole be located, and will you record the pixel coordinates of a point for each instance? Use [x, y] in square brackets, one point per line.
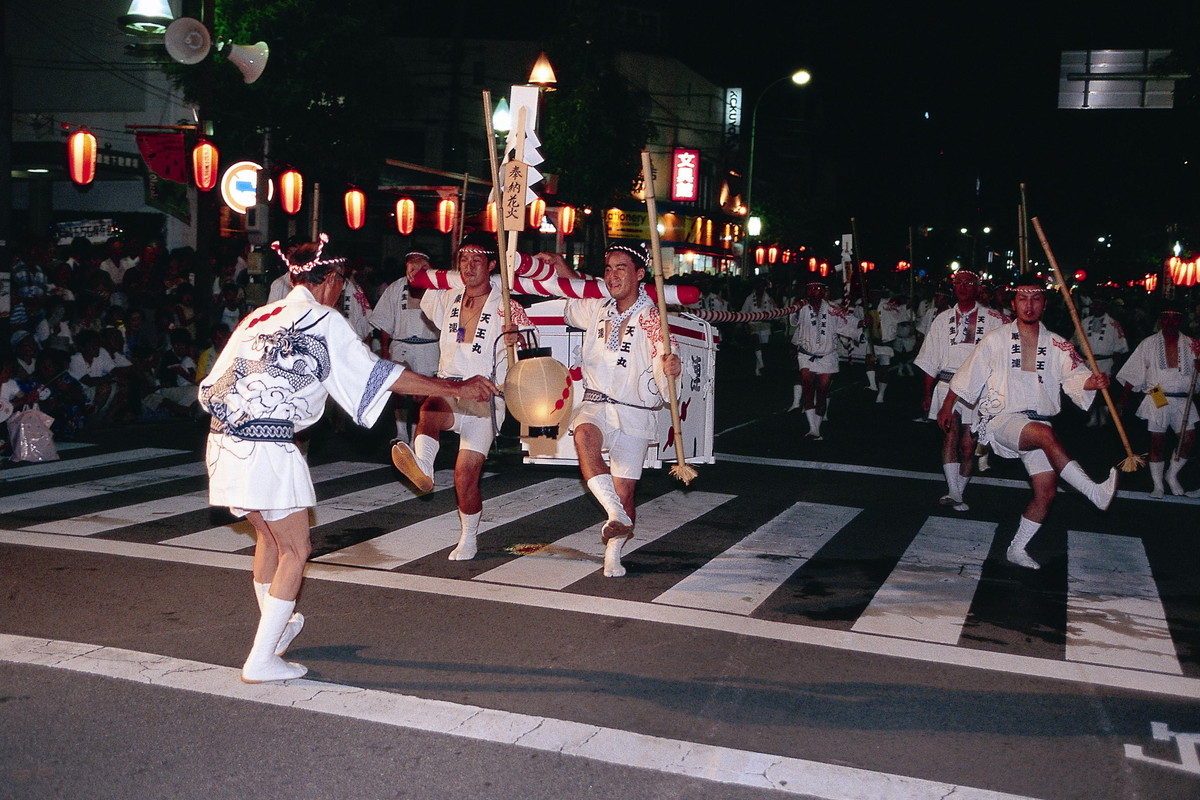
[502, 255]
[682, 470]
[1131, 462]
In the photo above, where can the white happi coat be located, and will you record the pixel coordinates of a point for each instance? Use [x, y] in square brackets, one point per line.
[991, 378]
[1147, 368]
[952, 337]
[1106, 337]
[414, 337]
[481, 355]
[632, 375]
[271, 381]
[816, 334]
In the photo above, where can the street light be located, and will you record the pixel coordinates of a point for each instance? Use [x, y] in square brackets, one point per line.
[800, 77]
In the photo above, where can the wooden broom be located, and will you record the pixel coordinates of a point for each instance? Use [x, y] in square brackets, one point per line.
[682, 470]
[1131, 462]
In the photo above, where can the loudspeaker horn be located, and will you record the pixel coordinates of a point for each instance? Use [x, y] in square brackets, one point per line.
[187, 40]
[251, 59]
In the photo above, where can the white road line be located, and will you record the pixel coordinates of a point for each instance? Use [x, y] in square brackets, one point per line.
[928, 595]
[977, 480]
[152, 510]
[738, 580]
[1114, 614]
[424, 538]
[578, 555]
[239, 535]
[1138, 680]
[25, 472]
[97, 488]
[721, 765]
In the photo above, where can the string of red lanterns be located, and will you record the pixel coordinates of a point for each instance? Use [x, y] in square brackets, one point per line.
[1183, 273]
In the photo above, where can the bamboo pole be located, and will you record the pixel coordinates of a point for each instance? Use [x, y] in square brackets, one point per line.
[1187, 408]
[682, 470]
[502, 255]
[1131, 462]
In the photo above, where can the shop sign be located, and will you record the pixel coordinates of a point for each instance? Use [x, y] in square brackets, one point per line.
[685, 174]
[627, 224]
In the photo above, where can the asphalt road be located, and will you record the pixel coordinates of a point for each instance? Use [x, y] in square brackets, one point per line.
[127, 612]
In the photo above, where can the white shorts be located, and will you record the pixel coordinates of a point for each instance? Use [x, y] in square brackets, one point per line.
[1004, 433]
[473, 423]
[1169, 417]
[822, 365]
[626, 454]
[965, 412]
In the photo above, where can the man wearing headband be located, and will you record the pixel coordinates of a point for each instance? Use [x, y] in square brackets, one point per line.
[470, 322]
[1107, 339]
[625, 374]
[271, 381]
[406, 334]
[952, 337]
[1163, 366]
[818, 324]
[757, 301]
[1014, 378]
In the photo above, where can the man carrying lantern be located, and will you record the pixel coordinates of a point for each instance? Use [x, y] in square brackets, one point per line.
[271, 380]
[625, 378]
[470, 324]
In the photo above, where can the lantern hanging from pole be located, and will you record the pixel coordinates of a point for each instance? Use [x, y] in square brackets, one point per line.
[447, 211]
[356, 209]
[1187, 273]
[406, 215]
[205, 159]
[760, 255]
[291, 191]
[81, 156]
[566, 220]
[489, 217]
[772, 254]
[538, 391]
[537, 212]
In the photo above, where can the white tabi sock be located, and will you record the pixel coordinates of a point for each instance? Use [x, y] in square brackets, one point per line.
[602, 488]
[416, 461]
[263, 665]
[425, 450]
[758, 362]
[1156, 475]
[951, 472]
[960, 483]
[1173, 467]
[295, 623]
[402, 430]
[871, 381]
[466, 540]
[1101, 494]
[879, 396]
[612, 558]
[1016, 551]
[797, 395]
[814, 423]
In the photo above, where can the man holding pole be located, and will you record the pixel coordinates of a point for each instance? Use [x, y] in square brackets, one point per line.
[1014, 378]
[470, 322]
[626, 370]
[1164, 367]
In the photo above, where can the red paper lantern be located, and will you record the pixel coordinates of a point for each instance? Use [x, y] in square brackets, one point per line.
[81, 157]
[447, 211]
[566, 220]
[205, 160]
[760, 255]
[356, 209]
[1187, 273]
[489, 217]
[406, 215]
[537, 212]
[772, 254]
[291, 191]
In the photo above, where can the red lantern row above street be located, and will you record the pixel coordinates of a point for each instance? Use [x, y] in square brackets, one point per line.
[1183, 273]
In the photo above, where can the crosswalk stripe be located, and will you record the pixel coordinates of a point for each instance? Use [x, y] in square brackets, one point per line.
[138, 513]
[738, 580]
[238, 535]
[928, 595]
[86, 463]
[424, 538]
[97, 488]
[576, 556]
[1114, 614]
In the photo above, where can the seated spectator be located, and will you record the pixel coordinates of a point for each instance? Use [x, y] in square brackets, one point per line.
[57, 393]
[105, 383]
[218, 336]
[12, 400]
[25, 349]
[177, 390]
[232, 305]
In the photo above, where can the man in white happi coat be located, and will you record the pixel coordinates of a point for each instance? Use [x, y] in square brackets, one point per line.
[1107, 339]
[1163, 366]
[471, 341]
[271, 381]
[406, 335]
[952, 337]
[897, 333]
[818, 323]
[759, 300]
[625, 374]
[1014, 378]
